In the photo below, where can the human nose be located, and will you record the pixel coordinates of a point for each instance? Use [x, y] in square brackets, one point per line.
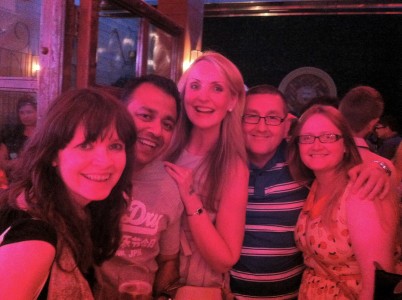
[261, 125]
[203, 94]
[102, 155]
[155, 128]
[317, 143]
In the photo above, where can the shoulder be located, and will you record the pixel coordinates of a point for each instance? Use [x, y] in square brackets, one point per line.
[22, 227]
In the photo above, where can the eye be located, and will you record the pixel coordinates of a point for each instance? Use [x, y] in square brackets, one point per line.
[117, 146]
[194, 86]
[85, 146]
[218, 88]
[144, 117]
[168, 125]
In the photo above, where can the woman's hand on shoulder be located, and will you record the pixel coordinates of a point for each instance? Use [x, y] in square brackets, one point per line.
[24, 268]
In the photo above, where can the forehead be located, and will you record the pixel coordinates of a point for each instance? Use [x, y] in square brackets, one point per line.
[318, 123]
[206, 71]
[27, 106]
[265, 103]
[149, 96]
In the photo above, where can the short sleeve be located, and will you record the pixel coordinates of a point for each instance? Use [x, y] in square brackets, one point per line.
[28, 230]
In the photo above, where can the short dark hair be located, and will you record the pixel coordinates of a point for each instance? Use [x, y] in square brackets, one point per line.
[361, 105]
[267, 89]
[165, 84]
[26, 100]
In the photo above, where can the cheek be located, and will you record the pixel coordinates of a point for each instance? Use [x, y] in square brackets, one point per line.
[120, 162]
[303, 153]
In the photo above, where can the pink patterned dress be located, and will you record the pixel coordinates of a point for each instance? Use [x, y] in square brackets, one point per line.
[323, 249]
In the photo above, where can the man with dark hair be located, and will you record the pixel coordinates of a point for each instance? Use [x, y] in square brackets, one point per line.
[270, 264]
[148, 253]
[362, 107]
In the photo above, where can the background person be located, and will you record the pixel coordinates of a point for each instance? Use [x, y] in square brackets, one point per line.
[15, 136]
[209, 166]
[387, 132]
[69, 186]
[340, 235]
[362, 107]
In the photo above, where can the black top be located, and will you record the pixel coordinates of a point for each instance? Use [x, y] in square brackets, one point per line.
[25, 228]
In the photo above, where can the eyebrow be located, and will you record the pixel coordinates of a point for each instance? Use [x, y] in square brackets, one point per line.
[270, 112]
[155, 112]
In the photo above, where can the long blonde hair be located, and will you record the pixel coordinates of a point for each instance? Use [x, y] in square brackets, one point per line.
[225, 154]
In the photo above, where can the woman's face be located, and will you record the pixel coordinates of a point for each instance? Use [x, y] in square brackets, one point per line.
[91, 170]
[207, 97]
[318, 156]
[27, 115]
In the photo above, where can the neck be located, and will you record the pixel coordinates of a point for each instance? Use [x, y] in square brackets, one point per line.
[260, 160]
[325, 179]
[29, 130]
[202, 140]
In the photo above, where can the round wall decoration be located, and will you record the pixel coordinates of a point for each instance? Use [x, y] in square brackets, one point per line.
[303, 84]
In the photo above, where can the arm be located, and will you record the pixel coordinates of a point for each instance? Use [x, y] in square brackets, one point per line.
[219, 244]
[372, 227]
[168, 272]
[24, 268]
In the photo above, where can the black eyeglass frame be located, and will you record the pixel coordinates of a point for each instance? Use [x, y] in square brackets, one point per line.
[267, 119]
[320, 138]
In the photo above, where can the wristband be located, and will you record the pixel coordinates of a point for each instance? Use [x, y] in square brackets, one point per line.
[384, 167]
[197, 212]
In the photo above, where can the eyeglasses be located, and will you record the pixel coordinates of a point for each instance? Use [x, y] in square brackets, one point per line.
[323, 138]
[269, 120]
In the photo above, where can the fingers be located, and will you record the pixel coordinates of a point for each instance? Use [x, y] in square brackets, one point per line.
[370, 183]
[353, 172]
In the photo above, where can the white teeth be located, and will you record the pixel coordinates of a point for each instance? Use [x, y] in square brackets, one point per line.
[204, 109]
[96, 177]
[147, 142]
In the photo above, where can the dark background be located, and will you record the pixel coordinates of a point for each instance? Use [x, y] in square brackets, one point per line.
[352, 49]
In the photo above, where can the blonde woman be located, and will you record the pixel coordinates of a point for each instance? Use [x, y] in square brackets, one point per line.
[208, 162]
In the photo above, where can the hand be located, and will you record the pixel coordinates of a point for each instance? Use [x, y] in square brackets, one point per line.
[183, 177]
[369, 181]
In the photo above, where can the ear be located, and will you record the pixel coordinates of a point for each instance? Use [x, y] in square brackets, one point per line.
[372, 123]
[288, 122]
[232, 103]
[55, 162]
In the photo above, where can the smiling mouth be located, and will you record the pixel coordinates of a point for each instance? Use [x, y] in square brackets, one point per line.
[148, 142]
[317, 155]
[204, 110]
[97, 177]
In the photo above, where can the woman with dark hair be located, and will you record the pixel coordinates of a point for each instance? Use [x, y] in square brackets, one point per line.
[60, 216]
[15, 136]
[340, 234]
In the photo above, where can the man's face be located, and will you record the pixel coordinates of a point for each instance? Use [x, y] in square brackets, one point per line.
[262, 140]
[154, 114]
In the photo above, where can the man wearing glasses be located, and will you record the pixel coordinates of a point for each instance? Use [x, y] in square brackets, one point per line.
[270, 265]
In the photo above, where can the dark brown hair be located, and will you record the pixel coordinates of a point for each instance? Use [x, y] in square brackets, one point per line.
[95, 237]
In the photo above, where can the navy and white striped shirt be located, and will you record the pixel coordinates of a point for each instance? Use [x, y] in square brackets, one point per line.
[270, 265]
